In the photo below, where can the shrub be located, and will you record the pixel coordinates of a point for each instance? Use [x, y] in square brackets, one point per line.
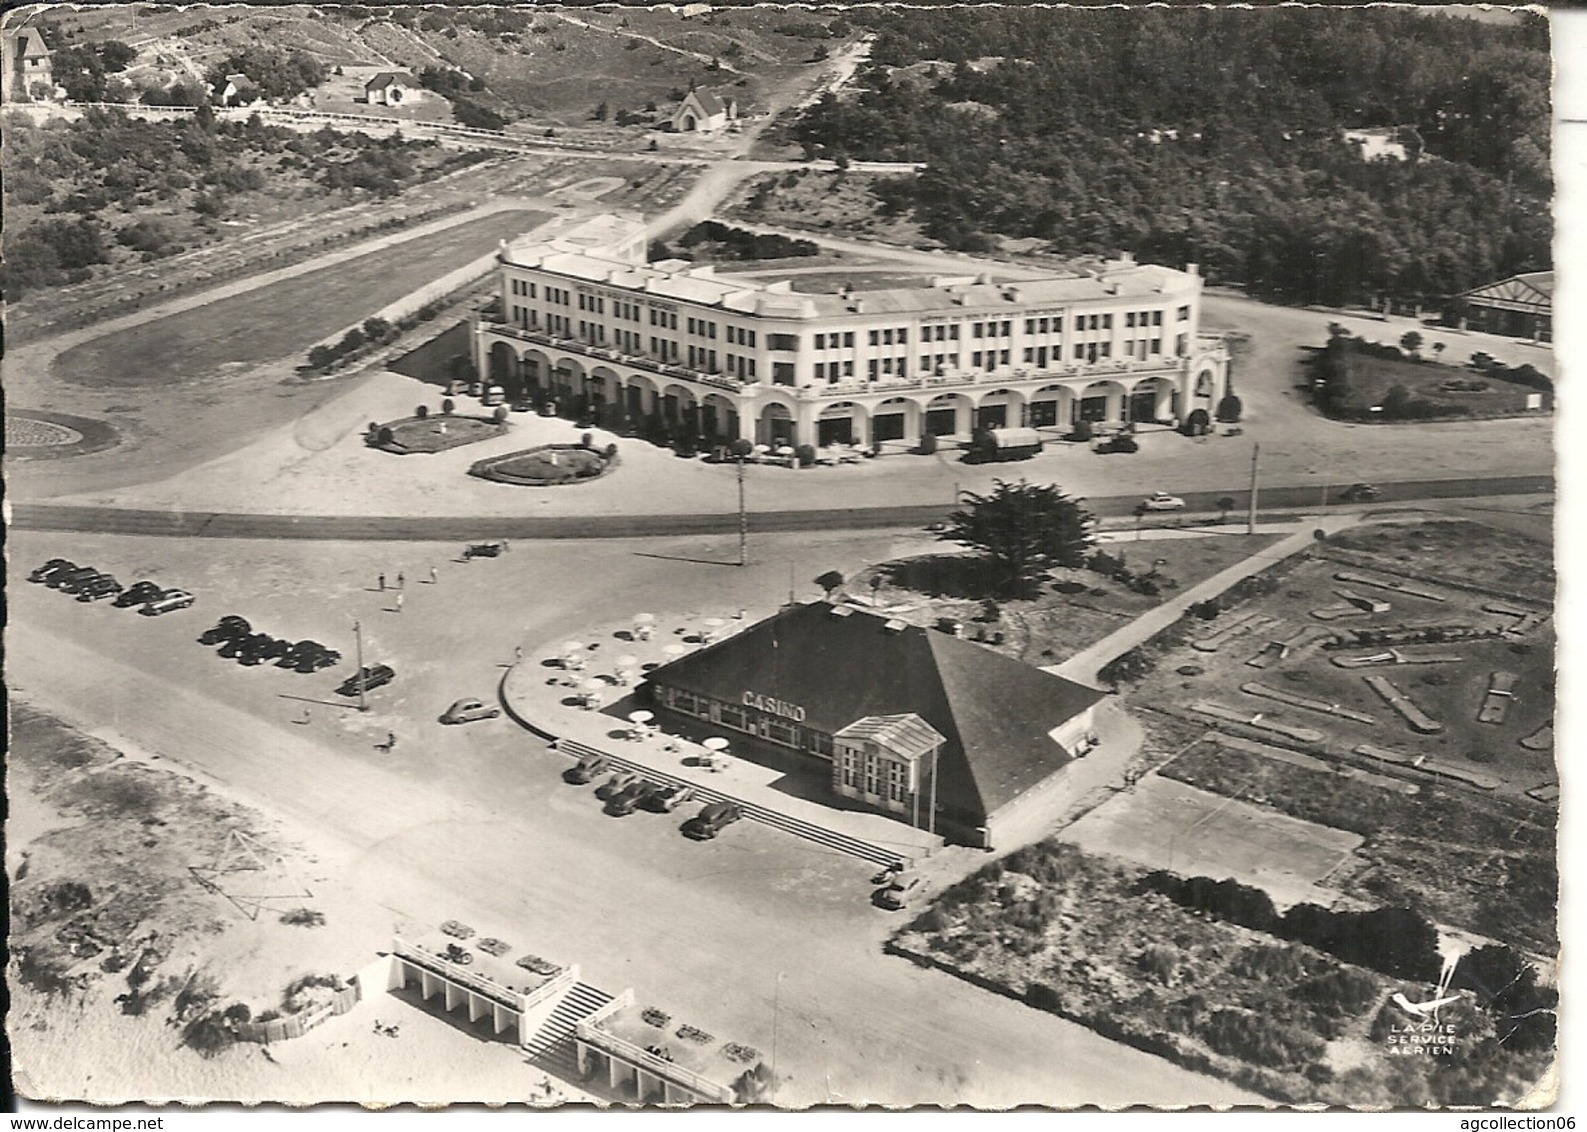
[321, 356]
[500, 415]
[928, 445]
[1043, 996]
[304, 918]
[448, 406]
[1084, 431]
[422, 412]
[209, 1035]
[587, 440]
[384, 436]
[806, 455]
[611, 451]
[1229, 409]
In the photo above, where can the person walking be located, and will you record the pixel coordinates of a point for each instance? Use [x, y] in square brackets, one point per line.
[382, 583]
[399, 601]
[433, 578]
[401, 581]
[517, 655]
[391, 741]
[305, 718]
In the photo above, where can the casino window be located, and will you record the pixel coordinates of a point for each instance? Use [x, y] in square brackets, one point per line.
[732, 715]
[779, 732]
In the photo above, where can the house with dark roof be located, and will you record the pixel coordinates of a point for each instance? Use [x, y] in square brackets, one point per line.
[29, 66]
[391, 88]
[704, 111]
[236, 89]
[1521, 306]
[941, 732]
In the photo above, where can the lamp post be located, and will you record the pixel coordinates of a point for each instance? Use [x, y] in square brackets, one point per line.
[1250, 515]
[776, 1002]
[358, 644]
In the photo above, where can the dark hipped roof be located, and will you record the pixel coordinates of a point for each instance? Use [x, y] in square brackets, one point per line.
[386, 78]
[996, 713]
[709, 101]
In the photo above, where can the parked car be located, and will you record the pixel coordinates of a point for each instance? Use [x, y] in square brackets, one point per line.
[323, 658]
[73, 580]
[96, 588]
[1162, 501]
[137, 594]
[298, 653]
[616, 784]
[897, 894]
[586, 770]
[232, 647]
[630, 797]
[256, 648]
[711, 820]
[1360, 493]
[467, 711]
[225, 629]
[372, 676]
[665, 799]
[167, 602]
[51, 568]
[1121, 442]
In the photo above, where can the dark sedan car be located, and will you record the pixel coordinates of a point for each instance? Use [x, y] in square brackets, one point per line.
[70, 581]
[96, 588]
[51, 568]
[711, 820]
[630, 798]
[242, 643]
[586, 770]
[137, 594]
[372, 676]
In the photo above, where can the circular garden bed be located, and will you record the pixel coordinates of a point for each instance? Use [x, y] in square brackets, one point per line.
[36, 435]
[432, 433]
[547, 465]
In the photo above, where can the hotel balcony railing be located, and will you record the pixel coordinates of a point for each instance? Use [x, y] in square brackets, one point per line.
[604, 353]
[1093, 371]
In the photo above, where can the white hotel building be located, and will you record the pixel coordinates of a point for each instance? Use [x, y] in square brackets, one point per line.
[584, 315]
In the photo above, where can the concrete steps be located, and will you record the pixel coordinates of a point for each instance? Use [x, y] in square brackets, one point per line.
[552, 1046]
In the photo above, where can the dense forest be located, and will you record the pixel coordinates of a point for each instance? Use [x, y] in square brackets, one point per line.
[1217, 137]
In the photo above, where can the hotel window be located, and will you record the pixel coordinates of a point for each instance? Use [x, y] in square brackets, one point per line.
[1106, 350]
[870, 368]
[1030, 326]
[871, 783]
[848, 369]
[851, 776]
[1180, 343]
[1044, 323]
[782, 373]
[1002, 357]
[1184, 313]
[975, 359]
[1157, 318]
[895, 781]
[977, 330]
[1057, 325]
[710, 361]
[953, 332]
[1030, 354]
[887, 336]
[710, 330]
[925, 362]
[887, 365]
[1157, 345]
[901, 366]
[821, 342]
[848, 338]
[1107, 322]
[875, 336]
[1008, 330]
[782, 341]
[821, 370]
[1080, 350]
[751, 341]
[1129, 320]
[903, 336]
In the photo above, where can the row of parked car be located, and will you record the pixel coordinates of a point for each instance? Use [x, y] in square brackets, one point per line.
[238, 641]
[88, 583]
[624, 792]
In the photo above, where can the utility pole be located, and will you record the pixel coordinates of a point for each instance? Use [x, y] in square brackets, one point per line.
[358, 642]
[1250, 515]
[743, 519]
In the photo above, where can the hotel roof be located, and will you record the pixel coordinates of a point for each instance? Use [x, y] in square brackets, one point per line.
[996, 713]
[679, 280]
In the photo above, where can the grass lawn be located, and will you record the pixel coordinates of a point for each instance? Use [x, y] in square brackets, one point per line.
[1051, 626]
[1370, 378]
[281, 319]
[437, 434]
[544, 466]
[1461, 552]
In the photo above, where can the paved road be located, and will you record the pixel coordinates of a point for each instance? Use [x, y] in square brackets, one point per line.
[202, 524]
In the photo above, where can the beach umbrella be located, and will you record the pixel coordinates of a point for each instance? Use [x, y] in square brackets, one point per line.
[641, 716]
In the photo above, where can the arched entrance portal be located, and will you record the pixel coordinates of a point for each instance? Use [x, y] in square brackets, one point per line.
[776, 425]
[892, 421]
[1155, 399]
[842, 423]
[1051, 406]
[948, 414]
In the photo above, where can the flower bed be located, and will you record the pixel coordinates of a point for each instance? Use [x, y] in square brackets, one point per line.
[432, 433]
[545, 466]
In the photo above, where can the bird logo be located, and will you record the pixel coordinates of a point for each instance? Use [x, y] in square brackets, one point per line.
[1428, 1011]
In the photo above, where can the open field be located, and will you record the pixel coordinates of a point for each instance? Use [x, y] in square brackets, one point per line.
[282, 318]
[1197, 833]
[1460, 860]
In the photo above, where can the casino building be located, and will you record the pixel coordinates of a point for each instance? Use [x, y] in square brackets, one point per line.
[940, 732]
[585, 316]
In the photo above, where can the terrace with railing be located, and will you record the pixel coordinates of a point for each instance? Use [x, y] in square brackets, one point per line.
[655, 1041]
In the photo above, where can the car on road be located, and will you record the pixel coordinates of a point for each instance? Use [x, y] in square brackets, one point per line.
[167, 602]
[630, 797]
[665, 799]
[137, 594]
[69, 581]
[615, 785]
[1162, 501]
[96, 588]
[51, 568]
[225, 629]
[469, 710]
[1122, 442]
[586, 770]
[1360, 493]
[898, 893]
[372, 676]
[711, 820]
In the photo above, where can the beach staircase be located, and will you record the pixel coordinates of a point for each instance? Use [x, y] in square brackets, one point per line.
[552, 1048]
